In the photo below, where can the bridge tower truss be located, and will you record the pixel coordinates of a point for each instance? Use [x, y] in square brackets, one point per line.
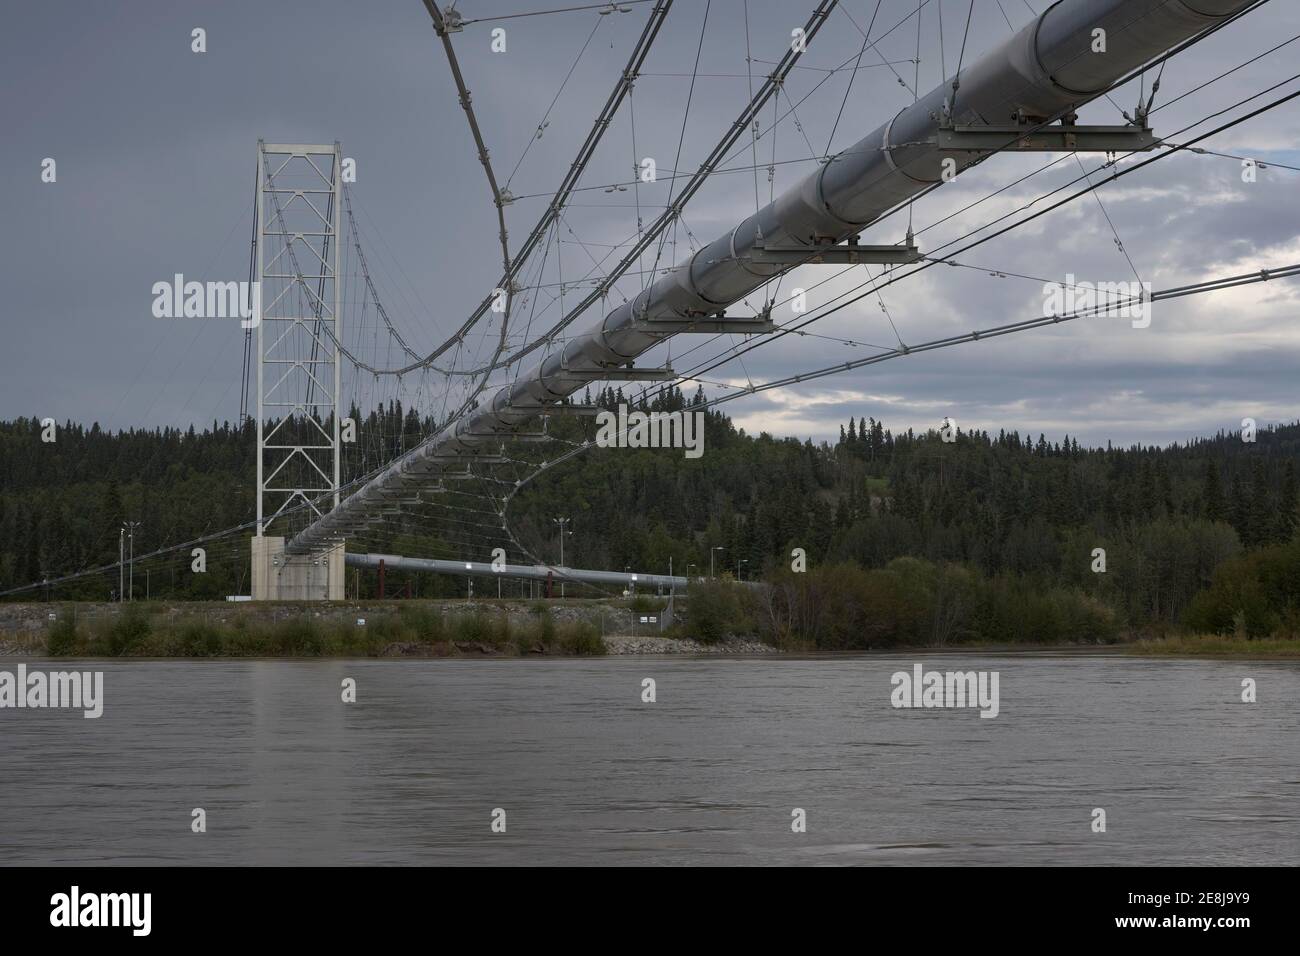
[299, 367]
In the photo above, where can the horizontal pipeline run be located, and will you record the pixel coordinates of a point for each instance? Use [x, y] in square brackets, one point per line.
[527, 572]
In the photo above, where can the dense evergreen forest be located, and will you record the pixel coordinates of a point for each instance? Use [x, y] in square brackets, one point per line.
[1021, 515]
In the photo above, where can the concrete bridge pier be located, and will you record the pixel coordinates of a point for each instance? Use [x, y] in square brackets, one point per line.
[317, 576]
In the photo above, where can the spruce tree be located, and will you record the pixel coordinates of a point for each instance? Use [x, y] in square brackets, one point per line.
[1165, 488]
[1288, 519]
[1212, 494]
[1261, 527]
[1239, 510]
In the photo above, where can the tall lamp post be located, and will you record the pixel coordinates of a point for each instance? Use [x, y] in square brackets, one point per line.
[711, 551]
[740, 568]
[564, 524]
[130, 527]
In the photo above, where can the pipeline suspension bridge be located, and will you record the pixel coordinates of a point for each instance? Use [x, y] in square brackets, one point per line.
[661, 309]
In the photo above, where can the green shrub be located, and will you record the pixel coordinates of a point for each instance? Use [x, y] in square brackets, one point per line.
[61, 638]
[644, 603]
[1017, 610]
[1082, 619]
[480, 629]
[345, 638]
[201, 639]
[1255, 595]
[581, 638]
[296, 637]
[914, 602]
[423, 625]
[525, 639]
[128, 630]
[716, 609]
[385, 627]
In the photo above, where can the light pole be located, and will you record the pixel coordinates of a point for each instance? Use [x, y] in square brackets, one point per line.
[563, 523]
[688, 571]
[130, 527]
[121, 564]
[711, 550]
[739, 566]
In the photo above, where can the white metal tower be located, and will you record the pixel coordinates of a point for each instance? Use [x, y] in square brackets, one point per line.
[298, 363]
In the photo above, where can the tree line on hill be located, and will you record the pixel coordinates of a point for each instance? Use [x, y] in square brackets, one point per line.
[993, 532]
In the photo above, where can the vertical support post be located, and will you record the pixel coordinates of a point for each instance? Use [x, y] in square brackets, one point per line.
[381, 579]
[564, 529]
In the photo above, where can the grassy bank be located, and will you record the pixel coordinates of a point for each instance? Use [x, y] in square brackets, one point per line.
[1210, 645]
[715, 612]
[407, 631]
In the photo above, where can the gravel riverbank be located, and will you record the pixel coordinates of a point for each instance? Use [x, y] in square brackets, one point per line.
[616, 644]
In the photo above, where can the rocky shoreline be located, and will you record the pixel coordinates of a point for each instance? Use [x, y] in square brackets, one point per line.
[619, 645]
[615, 646]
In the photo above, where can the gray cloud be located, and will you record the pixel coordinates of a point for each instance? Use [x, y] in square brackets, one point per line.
[155, 147]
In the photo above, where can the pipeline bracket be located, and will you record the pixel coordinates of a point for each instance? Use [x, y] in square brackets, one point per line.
[834, 254]
[721, 323]
[513, 436]
[618, 373]
[1055, 138]
[558, 408]
[479, 459]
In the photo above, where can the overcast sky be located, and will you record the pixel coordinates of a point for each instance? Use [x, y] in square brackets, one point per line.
[155, 149]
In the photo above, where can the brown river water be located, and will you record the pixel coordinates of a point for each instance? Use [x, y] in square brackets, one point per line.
[709, 773]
